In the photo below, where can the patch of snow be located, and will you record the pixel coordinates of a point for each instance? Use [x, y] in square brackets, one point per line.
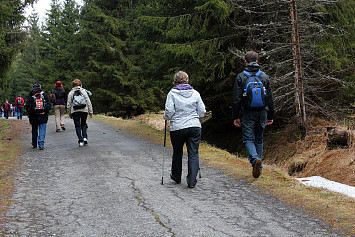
[320, 182]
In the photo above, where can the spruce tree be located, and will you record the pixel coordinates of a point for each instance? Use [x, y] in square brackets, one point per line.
[108, 59]
[12, 37]
[192, 36]
[25, 68]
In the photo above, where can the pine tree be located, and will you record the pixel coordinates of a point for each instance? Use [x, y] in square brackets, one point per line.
[12, 37]
[192, 36]
[108, 60]
[25, 68]
[58, 42]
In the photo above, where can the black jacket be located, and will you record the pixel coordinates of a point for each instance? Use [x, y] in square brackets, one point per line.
[34, 117]
[60, 96]
[239, 102]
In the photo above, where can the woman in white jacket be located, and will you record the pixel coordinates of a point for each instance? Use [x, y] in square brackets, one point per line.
[79, 113]
[184, 108]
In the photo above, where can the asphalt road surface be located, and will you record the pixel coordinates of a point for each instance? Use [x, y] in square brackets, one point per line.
[112, 187]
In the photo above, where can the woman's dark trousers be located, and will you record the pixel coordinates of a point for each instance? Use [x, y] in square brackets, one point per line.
[80, 125]
[192, 137]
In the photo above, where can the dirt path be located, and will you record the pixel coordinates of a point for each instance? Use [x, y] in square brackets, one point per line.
[112, 188]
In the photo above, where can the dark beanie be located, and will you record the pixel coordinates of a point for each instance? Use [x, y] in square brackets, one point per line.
[36, 85]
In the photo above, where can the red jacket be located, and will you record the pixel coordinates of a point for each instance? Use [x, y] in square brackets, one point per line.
[22, 102]
[6, 107]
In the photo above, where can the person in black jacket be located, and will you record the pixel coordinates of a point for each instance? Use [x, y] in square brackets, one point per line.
[59, 105]
[252, 120]
[38, 106]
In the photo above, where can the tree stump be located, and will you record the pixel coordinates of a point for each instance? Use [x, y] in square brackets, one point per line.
[338, 137]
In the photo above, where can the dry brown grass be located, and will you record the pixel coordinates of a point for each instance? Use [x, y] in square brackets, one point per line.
[10, 149]
[336, 209]
[310, 157]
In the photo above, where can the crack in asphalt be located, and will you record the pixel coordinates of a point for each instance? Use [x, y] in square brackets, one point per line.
[139, 197]
[142, 203]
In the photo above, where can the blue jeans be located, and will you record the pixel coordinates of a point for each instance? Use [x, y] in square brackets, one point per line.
[192, 137]
[80, 125]
[253, 126]
[38, 134]
[19, 112]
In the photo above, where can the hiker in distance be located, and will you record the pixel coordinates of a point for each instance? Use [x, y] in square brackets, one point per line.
[6, 108]
[253, 108]
[183, 108]
[79, 106]
[38, 106]
[59, 100]
[19, 101]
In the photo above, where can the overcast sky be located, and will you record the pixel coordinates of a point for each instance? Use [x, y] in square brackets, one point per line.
[42, 6]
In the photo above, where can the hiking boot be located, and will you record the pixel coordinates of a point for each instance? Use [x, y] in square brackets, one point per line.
[34, 146]
[41, 148]
[176, 180]
[63, 127]
[58, 130]
[85, 141]
[256, 168]
[81, 144]
[191, 185]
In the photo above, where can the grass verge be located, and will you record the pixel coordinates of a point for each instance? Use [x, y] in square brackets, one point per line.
[10, 149]
[335, 209]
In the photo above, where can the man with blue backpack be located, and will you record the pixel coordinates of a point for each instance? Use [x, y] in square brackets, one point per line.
[253, 108]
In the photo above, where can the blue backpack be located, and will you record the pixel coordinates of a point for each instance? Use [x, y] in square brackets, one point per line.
[254, 91]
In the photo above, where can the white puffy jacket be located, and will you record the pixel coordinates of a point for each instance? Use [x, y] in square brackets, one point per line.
[184, 108]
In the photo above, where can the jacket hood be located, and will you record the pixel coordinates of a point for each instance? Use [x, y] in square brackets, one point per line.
[35, 90]
[76, 88]
[184, 90]
[252, 67]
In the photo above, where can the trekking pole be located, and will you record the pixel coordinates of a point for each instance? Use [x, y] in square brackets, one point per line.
[162, 168]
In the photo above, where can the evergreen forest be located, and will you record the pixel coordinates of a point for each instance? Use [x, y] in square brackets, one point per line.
[126, 52]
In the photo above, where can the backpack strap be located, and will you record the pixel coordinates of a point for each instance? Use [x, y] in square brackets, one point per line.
[248, 74]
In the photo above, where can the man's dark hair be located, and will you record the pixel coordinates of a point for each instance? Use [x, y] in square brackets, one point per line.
[251, 56]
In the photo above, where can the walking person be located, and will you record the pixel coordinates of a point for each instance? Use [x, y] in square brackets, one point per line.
[79, 106]
[15, 110]
[59, 102]
[6, 108]
[183, 108]
[11, 111]
[38, 106]
[19, 101]
[251, 116]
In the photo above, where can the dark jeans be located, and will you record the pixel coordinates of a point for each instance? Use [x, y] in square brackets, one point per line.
[38, 134]
[192, 137]
[19, 112]
[6, 114]
[253, 126]
[80, 125]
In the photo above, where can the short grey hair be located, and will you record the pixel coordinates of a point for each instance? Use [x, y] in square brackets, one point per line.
[181, 78]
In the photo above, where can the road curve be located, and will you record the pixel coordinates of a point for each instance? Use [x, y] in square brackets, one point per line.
[112, 188]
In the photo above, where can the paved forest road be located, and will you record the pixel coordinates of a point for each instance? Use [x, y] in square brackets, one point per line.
[112, 188]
